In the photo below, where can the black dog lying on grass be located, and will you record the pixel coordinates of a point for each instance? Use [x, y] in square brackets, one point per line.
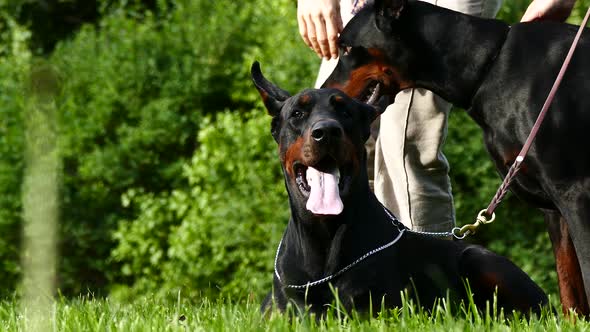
[340, 234]
[502, 75]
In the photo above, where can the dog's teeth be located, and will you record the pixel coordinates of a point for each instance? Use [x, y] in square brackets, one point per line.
[373, 97]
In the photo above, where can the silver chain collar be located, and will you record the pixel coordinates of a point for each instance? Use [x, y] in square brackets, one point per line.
[394, 222]
[440, 234]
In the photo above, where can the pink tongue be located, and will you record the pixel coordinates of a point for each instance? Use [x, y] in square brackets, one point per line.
[324, 196]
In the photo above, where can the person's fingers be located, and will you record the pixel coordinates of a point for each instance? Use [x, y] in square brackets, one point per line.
[323, 38]
[332, 36]
[548, 10]
[531, 13]
[319, 24]
[303, 30]
[527, 17]
[338, 20]
[311, 34]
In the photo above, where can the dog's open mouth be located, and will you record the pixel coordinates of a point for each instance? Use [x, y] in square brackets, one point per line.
[371, 93]
[323, 186]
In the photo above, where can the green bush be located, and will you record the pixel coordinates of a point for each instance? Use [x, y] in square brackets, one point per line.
[216, 233]
[14, 59]
[136, 89]
[219, 234]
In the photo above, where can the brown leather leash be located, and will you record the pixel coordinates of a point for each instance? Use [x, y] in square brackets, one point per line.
[482, 217]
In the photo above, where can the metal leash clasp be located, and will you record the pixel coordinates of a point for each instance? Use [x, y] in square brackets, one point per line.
[461, 232]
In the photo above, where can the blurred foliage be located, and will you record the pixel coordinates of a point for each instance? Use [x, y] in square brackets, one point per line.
[170, 179]
[14, 61]
[50, 20]
[135, 91]
[135, 88]
[219, 234]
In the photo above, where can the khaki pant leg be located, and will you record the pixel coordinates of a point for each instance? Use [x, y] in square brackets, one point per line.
[411, 172]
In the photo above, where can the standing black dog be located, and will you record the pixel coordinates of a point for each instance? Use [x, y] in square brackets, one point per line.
[340, 234]
[502, 75]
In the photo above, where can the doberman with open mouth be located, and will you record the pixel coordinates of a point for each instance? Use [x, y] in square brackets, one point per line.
[340, 235]
[502, 75]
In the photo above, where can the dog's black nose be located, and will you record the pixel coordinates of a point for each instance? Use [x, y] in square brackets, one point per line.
[326, 130]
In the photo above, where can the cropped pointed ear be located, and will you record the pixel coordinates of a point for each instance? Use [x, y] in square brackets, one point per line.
[387, 11]
[272, 96]
[366, 114]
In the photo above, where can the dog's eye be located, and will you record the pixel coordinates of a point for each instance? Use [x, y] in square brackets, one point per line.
[298, 114]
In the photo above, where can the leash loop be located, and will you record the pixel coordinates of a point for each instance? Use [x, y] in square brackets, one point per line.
[472, 228]
[481, 217]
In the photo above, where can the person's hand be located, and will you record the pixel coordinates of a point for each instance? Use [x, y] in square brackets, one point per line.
[319, 25]
[549, 10]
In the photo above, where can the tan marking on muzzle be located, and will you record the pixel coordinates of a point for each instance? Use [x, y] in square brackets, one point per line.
[293, 153]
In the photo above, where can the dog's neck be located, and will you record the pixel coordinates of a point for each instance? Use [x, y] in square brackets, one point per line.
[449, 66]
[324, 244]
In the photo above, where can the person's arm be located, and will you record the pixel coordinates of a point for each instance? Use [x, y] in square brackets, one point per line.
[548, 10]
[319, 25]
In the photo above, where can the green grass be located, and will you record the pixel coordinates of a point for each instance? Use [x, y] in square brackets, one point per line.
[86, 314]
